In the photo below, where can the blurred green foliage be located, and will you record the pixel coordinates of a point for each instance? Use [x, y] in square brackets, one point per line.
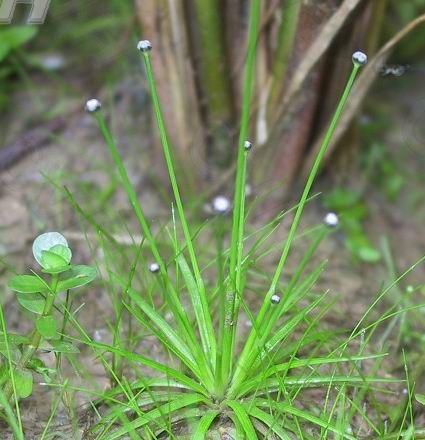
[353, 212]
[400, 13]
[82, 44]
[12, 37]
[408, 10]
[386, 173]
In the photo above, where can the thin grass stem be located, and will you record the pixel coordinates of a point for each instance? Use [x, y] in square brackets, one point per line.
[236, 248]
[203, 316]
[240, 369]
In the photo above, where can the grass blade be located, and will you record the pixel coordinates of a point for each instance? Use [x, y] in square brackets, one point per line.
[243, 417]
[204, 424]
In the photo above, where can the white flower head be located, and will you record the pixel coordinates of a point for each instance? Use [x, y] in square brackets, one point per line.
[247, 145]
[359, 58]
[221, 205]
[331, 220]
[275, 299]
[154, 267]
[93, 105]
[144, 46]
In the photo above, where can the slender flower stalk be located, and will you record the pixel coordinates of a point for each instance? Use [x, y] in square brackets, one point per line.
[200, 362]
[234, 291]
[359, 59]
[202, 312]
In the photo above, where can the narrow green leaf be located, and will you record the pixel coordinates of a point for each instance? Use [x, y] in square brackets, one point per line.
[243, 417]
[162, 411]
[271, 422]
[276, 384]
[204, 424]
[163, 328]
[168, 336]
[14, 421]
[155, 366]
[290, 409]
[299, 363]
[202, 314]
[27, 284]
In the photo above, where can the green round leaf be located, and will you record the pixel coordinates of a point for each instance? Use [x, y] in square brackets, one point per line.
[23, 382]
[45, 242]
[46, 325]
[33, 302]
[62, 251]
[76, 277]
[50, 260]
[27, 284]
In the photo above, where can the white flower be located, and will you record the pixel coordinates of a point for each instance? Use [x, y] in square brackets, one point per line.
[93, 105]
[331, 219]
[154, 267]
[359, 58]
[144, 46]
[275, 299]
[221, 205]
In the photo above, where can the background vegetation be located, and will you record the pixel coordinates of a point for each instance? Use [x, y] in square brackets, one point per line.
[55, 174]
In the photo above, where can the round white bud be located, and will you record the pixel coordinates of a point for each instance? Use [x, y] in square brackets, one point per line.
[247, 145]
[359, 58]
[275, 299]
[93, 105]
[144, 46]
[221, 205]
[154, 267]
[331, 220]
